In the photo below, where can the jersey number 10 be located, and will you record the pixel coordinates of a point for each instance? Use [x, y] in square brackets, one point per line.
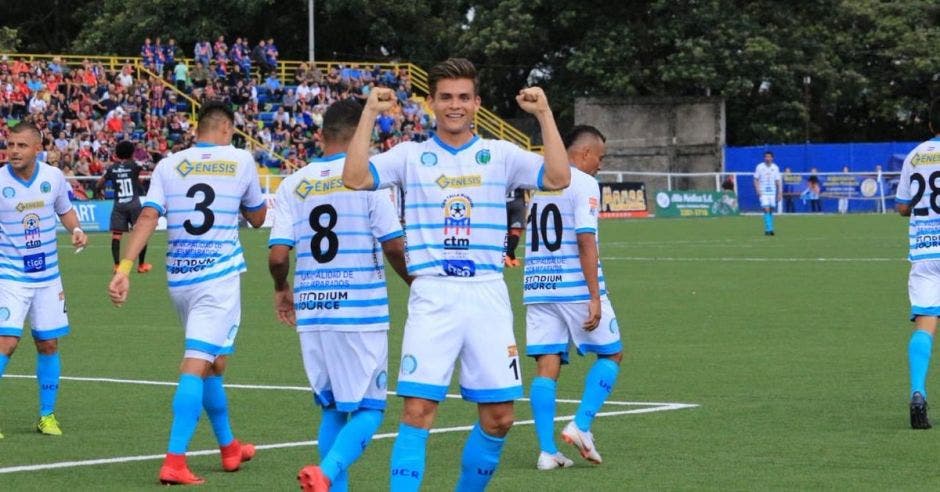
[540, 225]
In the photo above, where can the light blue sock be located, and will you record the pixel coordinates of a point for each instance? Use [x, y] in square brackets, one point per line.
[48, 370]
[542, 397]
[768, 221]
[187, 405]
[597, 386]
[330, 424]
[480, 459]
[216, 405]
[350, 443]
[918, 358]
[3, 363]
[408, 458]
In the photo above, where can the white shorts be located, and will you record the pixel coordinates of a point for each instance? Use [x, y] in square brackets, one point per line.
[768, 201]
[45, 307]
[347, 369]
[923, 287]
[551, 328]
[210, 313]
[469, 318]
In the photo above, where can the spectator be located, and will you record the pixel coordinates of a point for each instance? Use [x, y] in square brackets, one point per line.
[259, 57]
[202, 52]
[813, 191]
[181, 77]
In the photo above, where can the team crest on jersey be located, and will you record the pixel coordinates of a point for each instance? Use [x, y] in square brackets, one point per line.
[465, 181]
[45, 187]
[483, 156]
[457, 210]
[4, 313]
[428, 159]
[9, 192]
[409, 364]
[32, 231]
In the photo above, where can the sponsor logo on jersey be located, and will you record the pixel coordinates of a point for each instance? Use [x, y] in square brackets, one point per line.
[309, 301]
[9, 192]
[32, 231]
[466, 181]
[34, 263]
[428, 159]
[23, 206]
[45, 187]
[457, 211]
[309, 187]
[925, 159]
[483, 156]
[207, 168]
[409, 364]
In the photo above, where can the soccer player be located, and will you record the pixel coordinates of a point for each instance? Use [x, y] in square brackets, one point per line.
[32, 193]
[124, 176]
[915, 199]
[201, 190]
[566, 300]
[339, 302]
[455, 215]
[515, 216]
[767, 183]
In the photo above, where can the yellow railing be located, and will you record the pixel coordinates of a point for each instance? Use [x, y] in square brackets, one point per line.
[486, 120]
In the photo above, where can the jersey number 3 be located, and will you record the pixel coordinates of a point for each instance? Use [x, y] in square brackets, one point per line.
[208, 218]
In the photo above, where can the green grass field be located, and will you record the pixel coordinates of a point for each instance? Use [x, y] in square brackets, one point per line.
[793, 347]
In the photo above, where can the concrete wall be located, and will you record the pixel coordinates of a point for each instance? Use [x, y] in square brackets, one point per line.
[669, 134]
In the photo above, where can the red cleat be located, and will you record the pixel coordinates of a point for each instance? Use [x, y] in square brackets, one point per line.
[175, 472]
[144, 268]
[235, 454]
[312, 479]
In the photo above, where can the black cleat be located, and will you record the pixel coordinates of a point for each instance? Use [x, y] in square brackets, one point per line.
[919, 418]
[769, 233]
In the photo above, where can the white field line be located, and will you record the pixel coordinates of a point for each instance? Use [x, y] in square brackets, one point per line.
[752, 259]
[649, 407]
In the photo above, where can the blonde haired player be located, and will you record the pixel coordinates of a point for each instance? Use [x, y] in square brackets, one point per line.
[201, 190]
[459, 306]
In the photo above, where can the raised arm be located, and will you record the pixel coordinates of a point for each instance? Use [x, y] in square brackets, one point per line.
[557, 169]
[356, 173]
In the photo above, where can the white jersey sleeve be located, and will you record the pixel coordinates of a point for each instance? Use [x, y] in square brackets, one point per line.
[388, 168]
[586, 204]
[62, 204]
[904, 185]
[156, 195]
[524, 169]
[383, 216]
[282, 230]
[253, 199]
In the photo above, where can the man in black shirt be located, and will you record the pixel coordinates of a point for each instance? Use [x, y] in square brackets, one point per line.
[124, 176]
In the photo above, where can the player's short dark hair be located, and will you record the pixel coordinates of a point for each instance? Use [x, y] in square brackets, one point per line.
[580, 132]
[934, 118]
[767, 152]
[124, 150]
[340, 120]
[27, 127]
[214, 112]
[453, 68]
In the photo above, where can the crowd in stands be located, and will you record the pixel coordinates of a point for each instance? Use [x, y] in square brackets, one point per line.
[85, 110]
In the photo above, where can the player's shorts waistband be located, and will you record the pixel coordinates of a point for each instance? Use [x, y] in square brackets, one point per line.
[489, 277]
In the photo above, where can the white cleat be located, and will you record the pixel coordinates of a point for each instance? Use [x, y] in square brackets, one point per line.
[584, 441]
[552, 461]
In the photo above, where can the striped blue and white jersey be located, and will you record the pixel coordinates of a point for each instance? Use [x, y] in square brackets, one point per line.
[28, 209]
[455, 201]
[200, 190]
[552, 271]
[339, 276]
[767, 176]
[919, 187]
